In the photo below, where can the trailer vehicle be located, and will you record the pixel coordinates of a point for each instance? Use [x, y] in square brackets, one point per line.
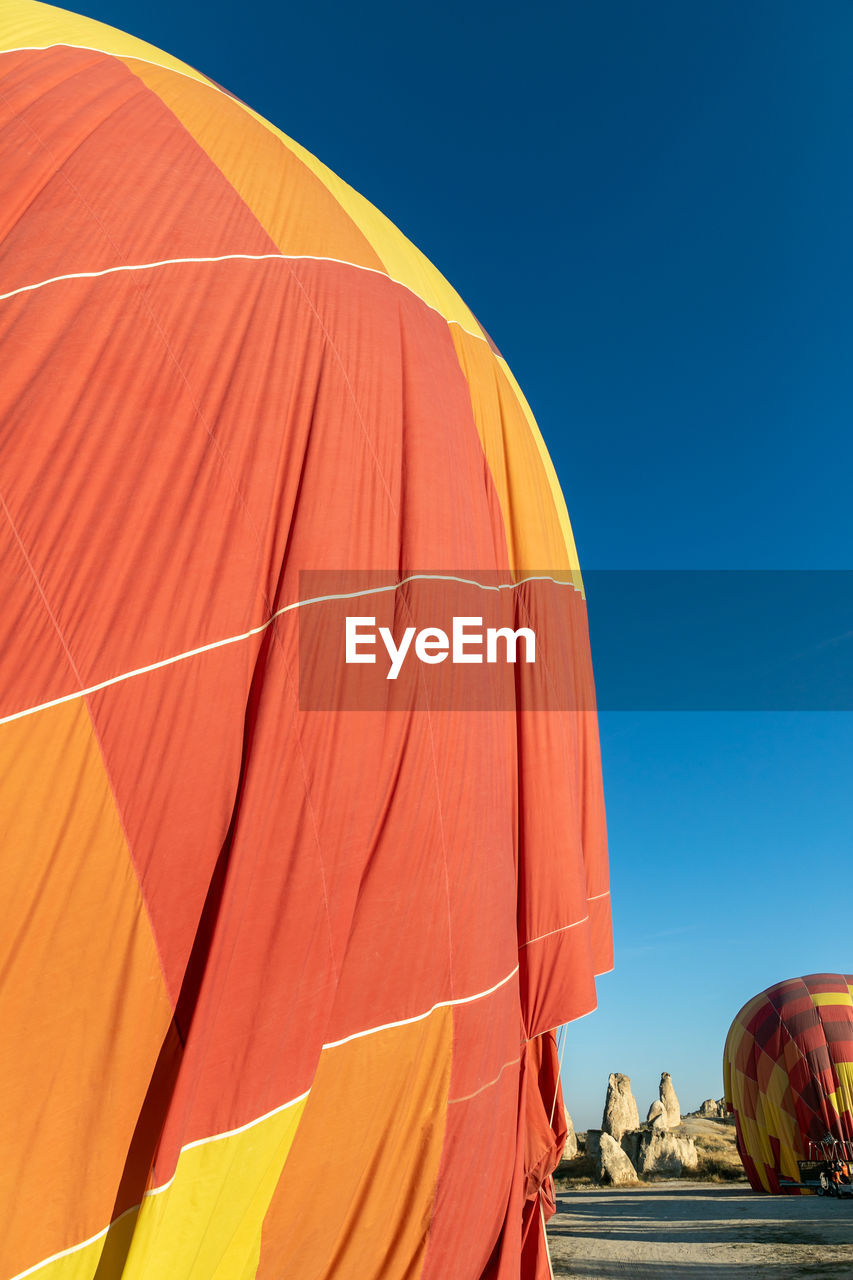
[828, 1171]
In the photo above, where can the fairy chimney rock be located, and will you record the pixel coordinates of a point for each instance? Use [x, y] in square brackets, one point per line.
[657, 1116]
[570, 1150]
[664, 1155]
[669, 1098]
[614, 1167]
[620, 1108]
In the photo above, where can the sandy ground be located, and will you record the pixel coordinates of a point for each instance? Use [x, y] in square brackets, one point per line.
[700, 1231]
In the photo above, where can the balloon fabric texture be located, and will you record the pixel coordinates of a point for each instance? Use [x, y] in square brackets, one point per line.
[278, 987]
[788, 1074]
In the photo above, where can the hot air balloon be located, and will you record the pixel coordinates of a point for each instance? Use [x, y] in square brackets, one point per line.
[788, 1074]
[279, 972]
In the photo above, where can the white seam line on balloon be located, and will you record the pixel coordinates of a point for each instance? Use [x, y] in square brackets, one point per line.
[237, 257]
[564, 927]
[156, 1191]
[419, 1017]
[230, 1133]
[468, 1096]
[545, 1234]
[256, 631]
[201, 79]
[197, 77]
[550, 934]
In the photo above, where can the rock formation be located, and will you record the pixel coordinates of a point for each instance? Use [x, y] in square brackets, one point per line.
[570, 1150]
[662, 1153]
[614, 1166]
[670, 1101]
[661, 1147]
[620, 1108]
[657, 1116]
[630, 1144]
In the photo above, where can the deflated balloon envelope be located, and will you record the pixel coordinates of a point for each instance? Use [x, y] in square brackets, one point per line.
[788, 1073]
[278, 984]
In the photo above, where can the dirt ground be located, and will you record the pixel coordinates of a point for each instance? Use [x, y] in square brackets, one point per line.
[699, 1231]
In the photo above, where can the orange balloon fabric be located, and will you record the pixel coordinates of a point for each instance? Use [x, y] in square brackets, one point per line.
[278, 982]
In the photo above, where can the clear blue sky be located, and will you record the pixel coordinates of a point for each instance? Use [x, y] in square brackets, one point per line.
[650, 208]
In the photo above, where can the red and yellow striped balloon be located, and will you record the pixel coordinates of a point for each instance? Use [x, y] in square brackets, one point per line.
[788, 1073]
[277, 987]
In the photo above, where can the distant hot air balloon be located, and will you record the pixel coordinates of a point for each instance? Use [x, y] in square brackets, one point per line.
[788, 1073]
[278, 982]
